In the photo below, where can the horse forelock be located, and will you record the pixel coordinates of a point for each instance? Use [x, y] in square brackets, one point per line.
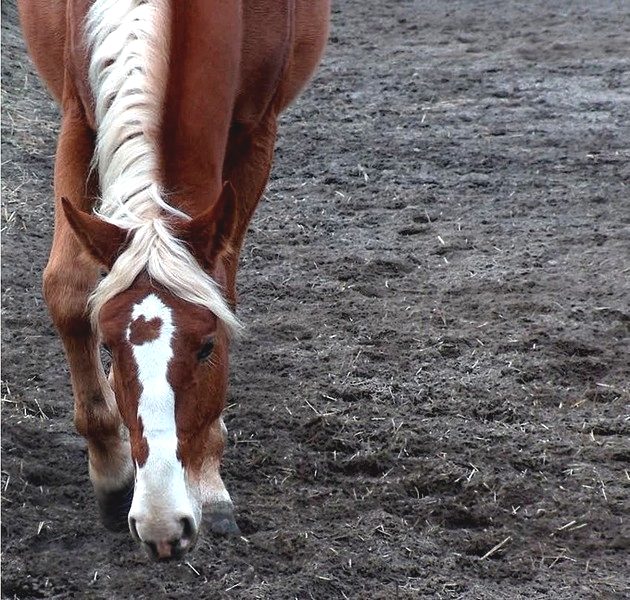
[167, 261]
[129, 42]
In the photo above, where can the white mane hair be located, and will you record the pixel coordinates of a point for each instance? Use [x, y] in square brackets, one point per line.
[128, 42]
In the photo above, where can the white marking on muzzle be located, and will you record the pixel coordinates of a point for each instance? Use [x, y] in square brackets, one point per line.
[161, 498]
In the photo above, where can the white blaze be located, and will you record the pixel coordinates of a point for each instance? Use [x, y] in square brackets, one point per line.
[161, 482]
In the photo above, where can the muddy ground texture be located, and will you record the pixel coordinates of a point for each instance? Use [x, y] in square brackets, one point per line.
[432, 396]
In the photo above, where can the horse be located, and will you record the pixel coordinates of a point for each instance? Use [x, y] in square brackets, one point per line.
[169, 115]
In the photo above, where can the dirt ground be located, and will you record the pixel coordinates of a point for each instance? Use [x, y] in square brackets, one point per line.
[432, 398]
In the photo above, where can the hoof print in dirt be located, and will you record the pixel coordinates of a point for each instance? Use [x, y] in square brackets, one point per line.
[220, 520]
[114, 507]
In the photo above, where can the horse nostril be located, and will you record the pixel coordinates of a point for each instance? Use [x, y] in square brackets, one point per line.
[188, 528]
[134, 529]
[152, 550]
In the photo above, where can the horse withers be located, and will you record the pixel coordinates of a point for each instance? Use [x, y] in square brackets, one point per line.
[169, 113]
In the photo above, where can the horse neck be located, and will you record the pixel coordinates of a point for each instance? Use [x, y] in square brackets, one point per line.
[164, 77]
[200, 95]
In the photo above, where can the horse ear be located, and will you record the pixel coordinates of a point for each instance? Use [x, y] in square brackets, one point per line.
[209, 234]
[101, 239]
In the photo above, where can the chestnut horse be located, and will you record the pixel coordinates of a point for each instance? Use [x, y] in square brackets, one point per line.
[169, 114]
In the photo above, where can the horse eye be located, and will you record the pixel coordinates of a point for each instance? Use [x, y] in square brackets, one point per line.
[206, 350]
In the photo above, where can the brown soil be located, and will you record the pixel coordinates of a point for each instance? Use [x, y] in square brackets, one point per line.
[436, 289]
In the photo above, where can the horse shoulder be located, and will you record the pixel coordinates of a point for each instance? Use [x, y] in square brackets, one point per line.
[44, 28]
[311, 24]
[53, 31]
[267, 36]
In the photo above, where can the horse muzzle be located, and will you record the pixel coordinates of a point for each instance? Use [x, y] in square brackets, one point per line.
[165, 538]
[165, 515]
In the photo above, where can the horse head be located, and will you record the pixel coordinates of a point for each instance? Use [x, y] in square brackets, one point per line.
[167, 329]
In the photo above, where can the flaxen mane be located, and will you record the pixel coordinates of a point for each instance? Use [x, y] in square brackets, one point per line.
[128, 44]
